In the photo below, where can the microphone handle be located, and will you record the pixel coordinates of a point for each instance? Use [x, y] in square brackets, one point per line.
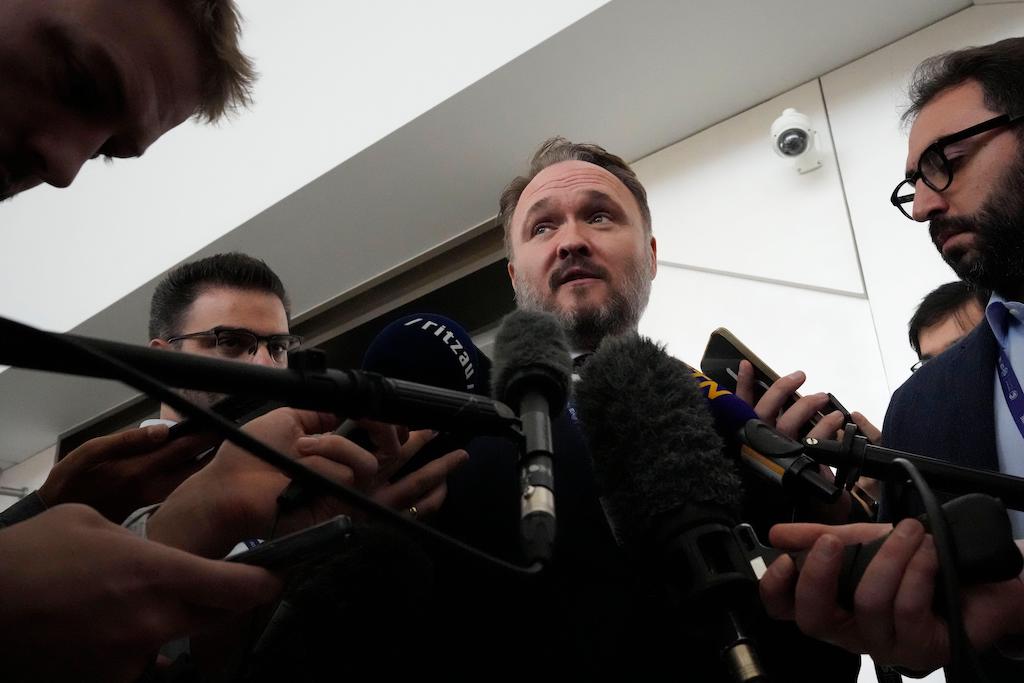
[537, 522]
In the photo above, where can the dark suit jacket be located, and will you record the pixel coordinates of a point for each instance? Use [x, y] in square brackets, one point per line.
[945, 411]
[595, 614]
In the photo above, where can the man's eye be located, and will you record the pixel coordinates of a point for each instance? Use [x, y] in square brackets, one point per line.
[540, 229]
[600, 218]
[229, 342]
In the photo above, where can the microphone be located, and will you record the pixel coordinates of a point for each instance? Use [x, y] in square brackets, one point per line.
[312, 386]
[775, 457]
[668, 492]
[532, 372]
[429, 349]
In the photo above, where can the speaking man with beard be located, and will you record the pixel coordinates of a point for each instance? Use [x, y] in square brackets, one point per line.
[580, 246]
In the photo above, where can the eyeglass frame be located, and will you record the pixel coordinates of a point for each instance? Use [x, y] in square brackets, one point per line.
[294, 340]
[938, 147]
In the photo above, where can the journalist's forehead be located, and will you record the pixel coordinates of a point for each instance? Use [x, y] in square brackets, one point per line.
[568, 177]
[951, 110]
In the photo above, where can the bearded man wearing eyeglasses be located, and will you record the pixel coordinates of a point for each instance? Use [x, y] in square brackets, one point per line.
[965, 179]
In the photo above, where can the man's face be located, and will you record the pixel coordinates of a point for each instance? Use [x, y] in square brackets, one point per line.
[256, 311]
[976, 222]
[580, 251]
[82, 78]
[936, 338]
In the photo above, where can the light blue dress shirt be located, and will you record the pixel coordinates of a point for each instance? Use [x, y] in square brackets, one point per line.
[1006, 318]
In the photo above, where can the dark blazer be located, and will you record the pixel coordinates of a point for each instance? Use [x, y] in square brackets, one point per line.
[595, 614]
[945, 409]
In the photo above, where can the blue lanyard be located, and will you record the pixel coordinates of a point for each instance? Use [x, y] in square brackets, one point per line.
[1011, 390]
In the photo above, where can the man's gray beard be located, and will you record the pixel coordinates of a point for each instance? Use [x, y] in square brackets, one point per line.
[998, 227]
[586, 327]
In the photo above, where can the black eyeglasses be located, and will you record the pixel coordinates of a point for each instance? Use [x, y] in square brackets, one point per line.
[935, 168]
[233, 342]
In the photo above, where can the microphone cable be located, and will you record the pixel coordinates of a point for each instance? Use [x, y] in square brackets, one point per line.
[964, 666]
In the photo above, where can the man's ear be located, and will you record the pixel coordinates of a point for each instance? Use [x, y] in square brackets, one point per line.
[512, 272]
[654, 256]
[159, 344]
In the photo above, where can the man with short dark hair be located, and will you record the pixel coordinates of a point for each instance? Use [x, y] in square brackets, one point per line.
[964, 174]
[945, 316]
[229, 306]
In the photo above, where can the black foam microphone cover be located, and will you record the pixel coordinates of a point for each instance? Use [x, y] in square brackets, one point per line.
[531, 355]
[671, 495]
[652, 439]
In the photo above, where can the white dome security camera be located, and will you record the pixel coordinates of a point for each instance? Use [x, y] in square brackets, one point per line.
[793, 138]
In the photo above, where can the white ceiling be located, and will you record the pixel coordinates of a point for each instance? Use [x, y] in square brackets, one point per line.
[635, 76]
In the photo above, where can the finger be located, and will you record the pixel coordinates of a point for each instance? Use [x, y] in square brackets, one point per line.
[873, 433]
[828, 425]
[412, 444]
[778, 586]
[384, 436]
[340, 450]
[745, 382]
[216, 584]
[417, 485]
[315, 422]
[775, 397]
[127, 443]
[180, 451]
[790, 422]
[432, 502]
[912, 609]
[876, 592]
[815, 608]
[801, 536]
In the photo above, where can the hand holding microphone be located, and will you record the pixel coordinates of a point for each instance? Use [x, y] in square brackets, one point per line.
[893, 618]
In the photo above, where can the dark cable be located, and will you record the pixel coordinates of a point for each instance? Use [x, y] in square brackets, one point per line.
[205, 417]
[963, 666]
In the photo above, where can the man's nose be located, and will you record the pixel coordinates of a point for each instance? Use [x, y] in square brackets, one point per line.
[58, 156]
[572, 240]
[928, 203]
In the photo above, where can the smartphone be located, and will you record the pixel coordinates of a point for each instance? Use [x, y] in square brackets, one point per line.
[300, 548]
[721, 362]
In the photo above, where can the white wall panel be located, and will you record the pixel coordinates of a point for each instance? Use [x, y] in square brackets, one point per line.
[828, 336]
[865, 99]
[724, 200]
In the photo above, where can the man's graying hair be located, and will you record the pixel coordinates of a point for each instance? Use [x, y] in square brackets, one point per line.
[998, 68]
[556, 150]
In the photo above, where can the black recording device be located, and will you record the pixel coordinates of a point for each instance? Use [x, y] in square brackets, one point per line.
[300, 548]
[984, 549]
